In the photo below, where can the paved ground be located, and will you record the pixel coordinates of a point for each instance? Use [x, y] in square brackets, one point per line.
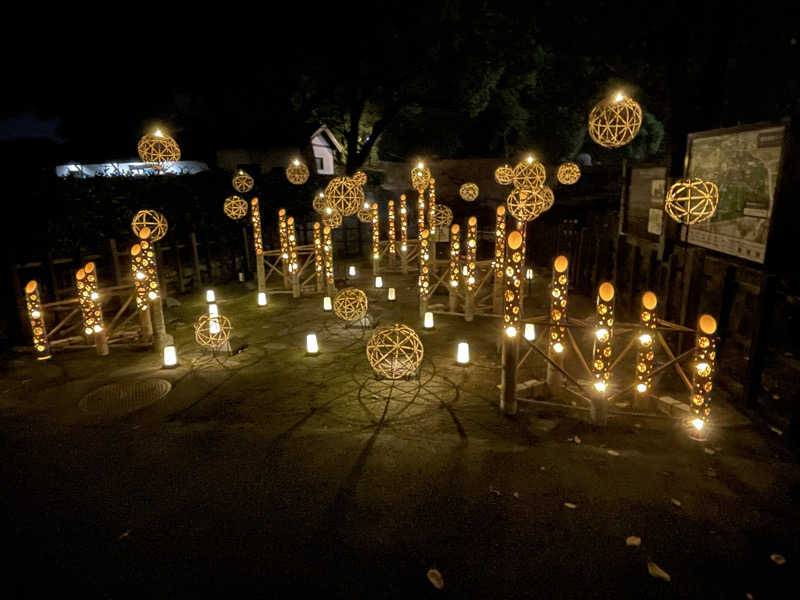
[277, 474]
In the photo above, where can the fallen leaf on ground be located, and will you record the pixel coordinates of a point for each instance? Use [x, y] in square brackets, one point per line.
[570, 505]
[576, 439]
[542, 468]
[124, 535]
[435, 578]
[613, 453]
[778, 559]
[708, 451]
[633, 540]
[516, 495]
[676, 502]
[657, 571]
[494, 491]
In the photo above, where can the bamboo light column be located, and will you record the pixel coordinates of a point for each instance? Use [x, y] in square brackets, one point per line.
[148, 264]
[558, 318]
[392, 238]
[33, 302]
[141, 283]
[469, 267]
[601, 352]
[91, 307]
[291, 246]
[319, 257]
[327, 253]
[499, 259]
[432, 205]
[424, 271]
[376, 239]
[258, 244]
[511, 323]
[705, 355]
[403, 235]
[522, 227]
[283, 235]
[455, 265]
[647, 337]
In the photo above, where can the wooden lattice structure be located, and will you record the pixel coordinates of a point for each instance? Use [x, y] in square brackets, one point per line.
[235, 207]
[504, 175]
[212, 331]
[395, 352]
[568, 173]
[442, 218]
[242, 182]
[158, 149]
[153, 220]
[692, 201]
[360, 178]
[615, 122]
[350, 304]
[319, 203]
[297, 172]
[468, 192]
[529, 174]
[345, 195]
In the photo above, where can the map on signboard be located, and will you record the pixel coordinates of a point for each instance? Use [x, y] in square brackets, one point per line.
[744, 165]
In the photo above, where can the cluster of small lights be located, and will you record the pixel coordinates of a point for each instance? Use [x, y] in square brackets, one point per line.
[291, 245]
[392, 239]
[255, 216]
[603, 335]
[327, 253]
[705, 355]
[512, 305]
[89, 298]
[646, 341]
[432, 205]
[376, 233]
[403, 224]
[500, 242]
[471, 253]
[558, 304]
[34, 304]
[455, 255]
[319, 256]
[283, 234]
[424, 265]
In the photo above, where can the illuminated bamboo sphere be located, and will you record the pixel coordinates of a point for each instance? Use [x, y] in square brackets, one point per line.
[547, 197]
[350, 304]
[34, 305]
[297, 172]
[364, 214]
[504, 175]
[157, 149]
[153, 220]
[345, 195]
[212, 332]
[468, 192]
[235, 207]
[332, 217]
[568, 173]
[420, 177]
[242, 182]
[526, 204]
[692, 201]
[395, 352]
[319, 202]
[360, 178]
[528, 174]
[443, 216]
[615, 122]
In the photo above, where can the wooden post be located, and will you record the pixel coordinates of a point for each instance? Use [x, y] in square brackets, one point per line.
[499, 260]
[376, 239]
[197, 280]
[145, 325]
[179, 267]
[247, 267]
[601, 353]
[283, 236]
[258, 243]
[454, 266]
[512, 323]
[470, 257]
[424, 271]
[112, 243]
[291, 247]
[91, 307]
[508, 384]
[558, 316]
[403, 235]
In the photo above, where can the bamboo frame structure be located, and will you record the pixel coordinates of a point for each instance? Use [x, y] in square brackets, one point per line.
[614, 122]
[691, 201]
[420, 178]
[258, 244]
[403, 235]
[345, 195]
[319, 257]
[468, 192]
[153, 220]
[645, 356]
[158, 149]
[350, 304]
[432, 212]
[212, 331]
[297, 172]
[424, 271]
[327, 253]
[568, 173]
[395, 352]
[360, 178]
[235, 207]
[242, 182]
[91, 307]
[443, 217]
[504, 175]
[528, 174]
[392, 234]
[332, 217]
[33, 302]
[319, 202]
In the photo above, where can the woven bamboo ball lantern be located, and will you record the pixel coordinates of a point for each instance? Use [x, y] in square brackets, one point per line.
[360, 178]
[319, 202]
[153, 220]
[568, 173]
[547, 197]
[615, 122]
[331, 217]
[468, 192]
[212, 332]
[395, 352]
[443, 216]
[504, 175]
[157, 148]
[526, 205]
[242, 182]
[297, 172]
[345, 195]
[364, 213]
[529, 174]
[350, 304]
[420, 177]
[235, 207]
[692, 201]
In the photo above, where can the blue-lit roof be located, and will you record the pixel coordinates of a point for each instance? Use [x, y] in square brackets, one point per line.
[129, 169]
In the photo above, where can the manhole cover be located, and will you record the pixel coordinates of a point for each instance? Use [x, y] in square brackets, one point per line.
[119, 399]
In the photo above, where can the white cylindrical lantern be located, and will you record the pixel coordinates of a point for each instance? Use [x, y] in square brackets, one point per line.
[211, 296]
[530, 332]
[262, 298]
[213, 326]
[378, 282]
[241, 276]
[213, 311]
[392, 295]
[351, 271]
[312, 347]
[327, 306]
[170, 357]
[428, 322]
[528, 273]
[462, 356]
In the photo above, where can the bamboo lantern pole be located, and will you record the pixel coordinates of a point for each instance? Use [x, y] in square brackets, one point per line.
[91, 307]
[376, 239]
[258, 244]
[705, 356]
[455, 265]
[522, 227]
[512, 320]
[601, 352]
[148, 264]
[319, 257]
[499, 260]
[141, 283]
[291, 246]
[432, 206]
[645, 356]
[327, 253]
[424, 271]
[283, 235]
[403, 235]
[392, 237]
[558, 316]
[41, 347]
[469, 275]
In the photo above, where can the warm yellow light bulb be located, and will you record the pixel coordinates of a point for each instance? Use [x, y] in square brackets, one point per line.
[698, 424]
[600, 386]
[641, 388]
[558, 347]
[296, 162]
[645, 339]
[601, 334]
[703, 369]
[619, 97]
[511, 331]
[158, 133]
[529, 159]
[420, 165]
